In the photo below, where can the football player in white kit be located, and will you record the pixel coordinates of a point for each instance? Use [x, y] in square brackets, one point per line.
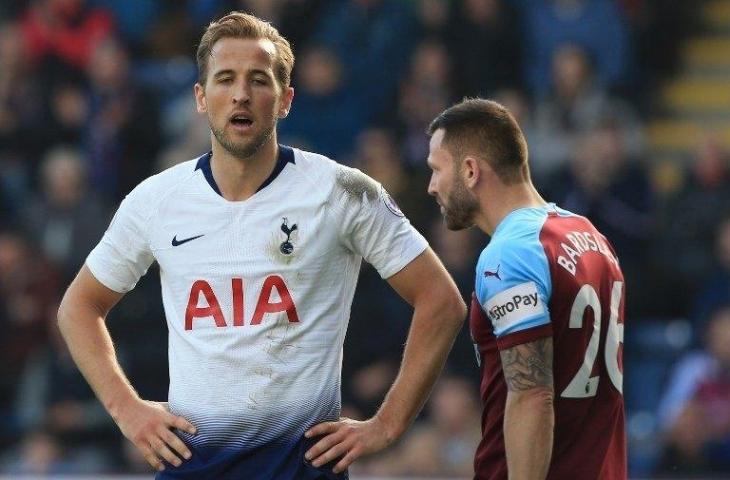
[259, 247]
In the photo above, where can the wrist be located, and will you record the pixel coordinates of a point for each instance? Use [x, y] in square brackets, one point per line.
[392, 429]
[118, 405]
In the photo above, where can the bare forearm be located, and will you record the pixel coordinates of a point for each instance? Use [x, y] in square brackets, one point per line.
[528, 435]
[529, 414]
[92, 349]
[429, 341]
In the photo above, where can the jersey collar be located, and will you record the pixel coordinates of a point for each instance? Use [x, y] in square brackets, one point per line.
[286, 155]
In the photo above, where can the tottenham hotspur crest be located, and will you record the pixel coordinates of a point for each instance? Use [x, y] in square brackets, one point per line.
[286, 246]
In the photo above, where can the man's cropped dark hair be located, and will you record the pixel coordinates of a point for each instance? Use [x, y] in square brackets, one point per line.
[486, 130]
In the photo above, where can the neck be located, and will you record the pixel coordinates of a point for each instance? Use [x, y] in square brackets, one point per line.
[239, 178]
[499, 201]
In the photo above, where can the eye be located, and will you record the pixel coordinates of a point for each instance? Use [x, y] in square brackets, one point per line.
[260, 81]
[225, 80]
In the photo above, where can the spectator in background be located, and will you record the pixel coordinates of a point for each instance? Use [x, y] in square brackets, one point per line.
[519, 105]
[373, 40]
[42, 454]
[444, 443]
[696, 217]
[714, 292]
[189, 133]
[596, 25]
[426, 90]
[14, 184]
[291, 17]
[576, 103]
[486, 42]
[66, 219]
[64, 30]
[369, 384]
[316, 121]
[29, 291]
[123, 132]
[695, 410]
[53, 395]
[433, 18]
[613, 190]
[21, 112]
[69, 111]
[659, 27]
[134, 19]
[39, 453]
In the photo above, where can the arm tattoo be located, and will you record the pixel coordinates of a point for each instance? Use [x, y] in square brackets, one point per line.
[528, 365]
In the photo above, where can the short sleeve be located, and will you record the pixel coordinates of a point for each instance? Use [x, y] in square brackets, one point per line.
[513, 287]
[123, 255]
[373, 226]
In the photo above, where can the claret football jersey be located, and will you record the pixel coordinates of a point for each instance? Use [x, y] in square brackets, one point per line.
[548, 272]
[257, 297]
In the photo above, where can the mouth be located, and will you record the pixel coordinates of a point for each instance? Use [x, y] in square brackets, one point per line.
[241, 121]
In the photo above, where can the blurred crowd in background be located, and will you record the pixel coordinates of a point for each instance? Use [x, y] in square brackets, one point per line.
[96, 95]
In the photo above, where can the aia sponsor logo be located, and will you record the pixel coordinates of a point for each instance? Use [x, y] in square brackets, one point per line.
[211, 306]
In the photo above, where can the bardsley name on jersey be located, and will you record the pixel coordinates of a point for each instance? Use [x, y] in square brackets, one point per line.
[582, 242]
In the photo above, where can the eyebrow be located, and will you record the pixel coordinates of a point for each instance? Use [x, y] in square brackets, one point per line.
[257, 71]
[229, 71]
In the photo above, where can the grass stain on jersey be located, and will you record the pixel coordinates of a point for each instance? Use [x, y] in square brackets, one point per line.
[355, 183]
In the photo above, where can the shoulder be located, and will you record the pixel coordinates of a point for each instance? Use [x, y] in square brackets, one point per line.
[339, 179]
[144, 201]
[517, 241]
[514, 256]
[158, 186]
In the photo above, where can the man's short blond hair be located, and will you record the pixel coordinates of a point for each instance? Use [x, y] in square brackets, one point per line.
[243, 25]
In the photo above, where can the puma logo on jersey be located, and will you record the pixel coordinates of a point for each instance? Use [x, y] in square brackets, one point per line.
[487, 273]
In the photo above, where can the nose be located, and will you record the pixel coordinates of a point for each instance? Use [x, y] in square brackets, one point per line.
[241, 93]
[432, 186]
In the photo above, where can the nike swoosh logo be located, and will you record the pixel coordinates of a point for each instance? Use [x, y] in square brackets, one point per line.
[176, 242]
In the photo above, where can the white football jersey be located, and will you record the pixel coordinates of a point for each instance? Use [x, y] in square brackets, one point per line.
[257, 293]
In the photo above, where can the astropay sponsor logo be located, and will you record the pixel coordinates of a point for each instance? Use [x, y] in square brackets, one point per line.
[510, 306]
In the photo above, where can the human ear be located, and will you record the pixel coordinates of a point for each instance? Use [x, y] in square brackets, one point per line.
[200, 102]
[471, 171]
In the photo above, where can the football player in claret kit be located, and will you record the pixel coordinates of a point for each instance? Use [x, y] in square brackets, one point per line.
[547, 315]
[259, 247]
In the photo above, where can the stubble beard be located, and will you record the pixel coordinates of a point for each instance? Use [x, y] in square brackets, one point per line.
[243, 150]
[460, 208]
